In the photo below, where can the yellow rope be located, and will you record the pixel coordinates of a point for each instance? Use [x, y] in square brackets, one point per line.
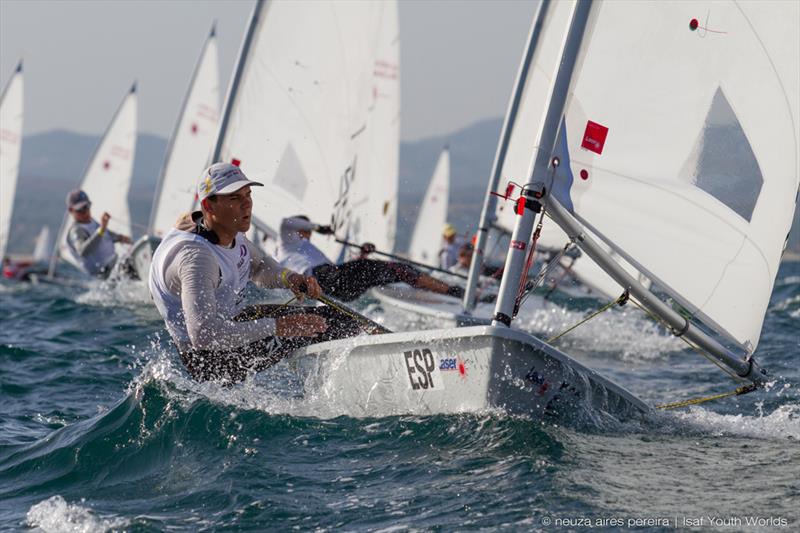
[619, 301]
[374, 328]
[695, 401]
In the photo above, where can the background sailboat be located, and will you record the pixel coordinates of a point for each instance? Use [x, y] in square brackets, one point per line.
[108, 175]
[426, 241]
[191, 142]
[317, 119]
[11, 102]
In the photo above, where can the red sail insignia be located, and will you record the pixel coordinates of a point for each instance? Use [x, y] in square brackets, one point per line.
[594, 138]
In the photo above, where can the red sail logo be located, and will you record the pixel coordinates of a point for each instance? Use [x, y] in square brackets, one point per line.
[594, 138]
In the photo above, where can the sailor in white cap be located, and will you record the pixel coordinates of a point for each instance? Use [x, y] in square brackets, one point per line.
[90, 244]
[197, 277]
[351, 279]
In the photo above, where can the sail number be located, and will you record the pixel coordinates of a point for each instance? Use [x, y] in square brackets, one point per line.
[421, 368]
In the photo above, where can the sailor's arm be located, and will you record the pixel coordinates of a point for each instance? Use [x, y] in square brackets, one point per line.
[301, 224]
[83, 241]
[199, 276]
[268, 273]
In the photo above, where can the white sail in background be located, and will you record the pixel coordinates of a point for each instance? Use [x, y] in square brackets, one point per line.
[313, 113]
[426, 241]
[10, 150]
[680, 148]
[191, 143]
[108, 177]
[43, 246]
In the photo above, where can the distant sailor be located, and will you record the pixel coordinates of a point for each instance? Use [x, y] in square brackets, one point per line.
[353, 278]
[448, 255]
[197, 278]
[90, 244]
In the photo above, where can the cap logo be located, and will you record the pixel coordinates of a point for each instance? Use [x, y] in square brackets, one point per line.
[208, 184]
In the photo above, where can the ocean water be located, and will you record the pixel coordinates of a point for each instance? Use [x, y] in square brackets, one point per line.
[100, 429]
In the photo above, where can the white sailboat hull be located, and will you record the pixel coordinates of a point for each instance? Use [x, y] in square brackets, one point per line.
[465, 370]
[446, 311]
[135, 264]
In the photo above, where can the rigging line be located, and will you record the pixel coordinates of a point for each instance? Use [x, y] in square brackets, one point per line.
[694, 347]
[619, 301]
[531, 255]
[744, 389]
[374, 327]
[540, 277]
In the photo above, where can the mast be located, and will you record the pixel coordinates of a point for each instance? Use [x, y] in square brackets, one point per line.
[533, 191]
[488, 215]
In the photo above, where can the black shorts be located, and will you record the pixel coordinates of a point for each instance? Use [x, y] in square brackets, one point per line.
[232, 366]
[350, 280]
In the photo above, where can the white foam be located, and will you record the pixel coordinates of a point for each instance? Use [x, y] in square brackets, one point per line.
[782, 423]
[114, 294]
[56, 515]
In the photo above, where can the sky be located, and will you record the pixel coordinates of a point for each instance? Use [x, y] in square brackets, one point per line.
[458, 58]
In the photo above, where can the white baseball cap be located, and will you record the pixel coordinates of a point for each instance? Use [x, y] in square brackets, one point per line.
[222, 178]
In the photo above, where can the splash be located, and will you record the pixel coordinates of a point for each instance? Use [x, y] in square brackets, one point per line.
[55, 515]
[783, 423]
[115, 294]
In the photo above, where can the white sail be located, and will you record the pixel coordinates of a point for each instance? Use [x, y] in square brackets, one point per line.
[191, 143]
[43, 245]
[10, 150]
[108, 177]
[426, 241]
[313, 113]
[680, 148]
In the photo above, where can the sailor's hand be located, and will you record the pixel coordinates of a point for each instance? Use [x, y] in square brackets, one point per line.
[367, 248]
[104, 221]
[324, 230]
[124, 239]
[304, 286]
[300, 325]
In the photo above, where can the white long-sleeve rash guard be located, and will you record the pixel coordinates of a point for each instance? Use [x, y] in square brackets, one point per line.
[194, 275]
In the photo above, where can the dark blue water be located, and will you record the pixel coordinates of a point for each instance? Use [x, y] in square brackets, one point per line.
[100, 429]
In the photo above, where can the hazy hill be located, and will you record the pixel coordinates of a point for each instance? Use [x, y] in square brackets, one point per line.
[53, 162]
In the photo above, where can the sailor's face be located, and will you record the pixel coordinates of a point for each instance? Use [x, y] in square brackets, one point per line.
[83, 215]
[235, 209]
